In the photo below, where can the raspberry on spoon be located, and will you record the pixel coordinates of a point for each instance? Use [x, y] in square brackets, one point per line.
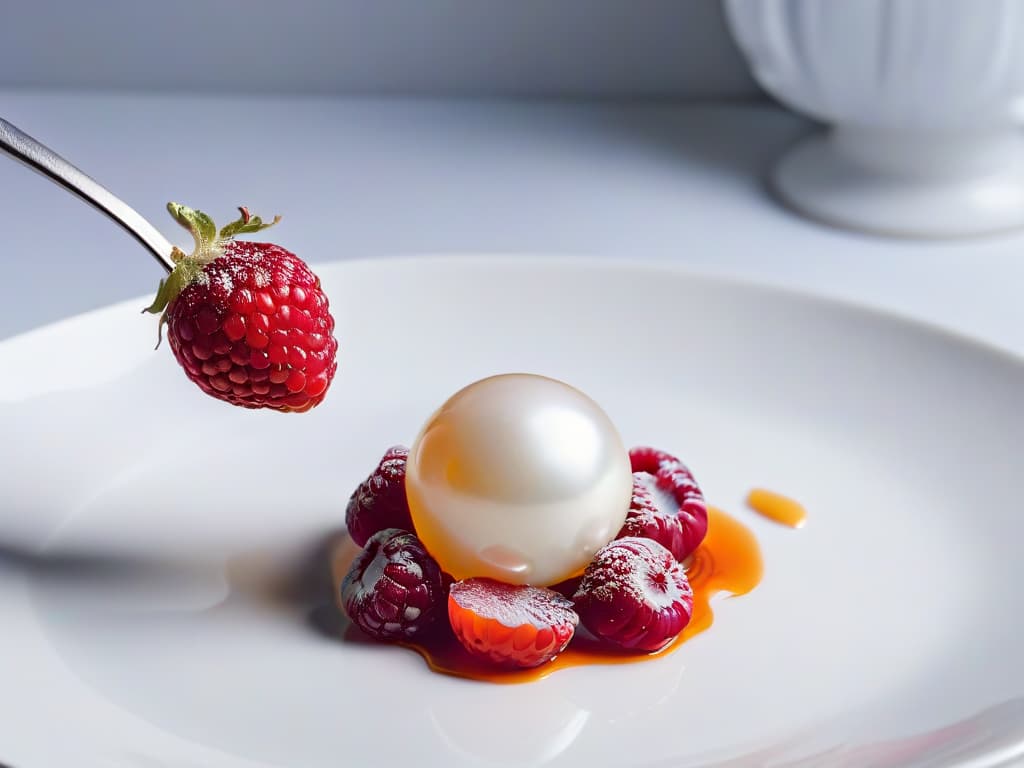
[635, 595]
[511, 625]
[667, 504]
[379, 501]
[394, 589]
[247, 321]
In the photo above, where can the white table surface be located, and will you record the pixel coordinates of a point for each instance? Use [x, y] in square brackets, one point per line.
[371, 178]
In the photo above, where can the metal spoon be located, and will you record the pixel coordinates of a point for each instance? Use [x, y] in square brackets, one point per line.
[41, 158]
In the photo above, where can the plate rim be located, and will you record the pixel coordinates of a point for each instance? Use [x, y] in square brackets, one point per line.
[648, 265]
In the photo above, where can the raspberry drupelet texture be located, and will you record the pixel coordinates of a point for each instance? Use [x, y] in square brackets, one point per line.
[510, 625]
[248, 322]
[394, 589]
[667, 504]
[635, 595]
[379, 502]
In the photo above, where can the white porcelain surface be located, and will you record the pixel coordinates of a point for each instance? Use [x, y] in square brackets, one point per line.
[161, 554]
[922, 94]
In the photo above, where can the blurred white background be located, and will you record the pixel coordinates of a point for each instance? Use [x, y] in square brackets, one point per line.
[625, 129]
[567, 48]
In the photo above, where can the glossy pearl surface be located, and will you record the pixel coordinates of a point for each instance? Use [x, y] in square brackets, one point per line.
[519, 478]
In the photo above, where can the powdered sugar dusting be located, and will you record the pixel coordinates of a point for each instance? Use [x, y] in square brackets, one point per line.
[514, 605]
[412, 567]
[663, 501]
[668, 505]
[223, 280]
[635, 595]
[640, 569]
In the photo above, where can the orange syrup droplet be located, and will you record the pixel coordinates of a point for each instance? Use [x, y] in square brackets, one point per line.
[728, 560]
[777, 507]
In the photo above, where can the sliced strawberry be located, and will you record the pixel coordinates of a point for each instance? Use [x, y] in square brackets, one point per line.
[511, 625]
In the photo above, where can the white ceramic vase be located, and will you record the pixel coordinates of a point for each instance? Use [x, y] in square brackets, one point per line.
[921, 97]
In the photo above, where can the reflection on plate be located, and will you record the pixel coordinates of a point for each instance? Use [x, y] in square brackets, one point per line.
[162, 556]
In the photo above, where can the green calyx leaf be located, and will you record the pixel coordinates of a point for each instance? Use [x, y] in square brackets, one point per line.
[209, 245]
[200, 225]
[245, 224]
[210, 242]
[185, 271]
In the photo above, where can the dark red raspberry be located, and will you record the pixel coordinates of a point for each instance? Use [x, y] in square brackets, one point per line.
[667, 505]
[635, 595]
[512, 625]
[379, 502]
[247, 321]
[394, 589]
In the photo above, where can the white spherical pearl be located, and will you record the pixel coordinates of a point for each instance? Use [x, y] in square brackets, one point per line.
[519, 478]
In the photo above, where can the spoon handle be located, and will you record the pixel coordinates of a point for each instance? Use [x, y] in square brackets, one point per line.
[41, 158]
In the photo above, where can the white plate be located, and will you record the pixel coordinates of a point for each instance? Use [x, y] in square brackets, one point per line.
[159, 575]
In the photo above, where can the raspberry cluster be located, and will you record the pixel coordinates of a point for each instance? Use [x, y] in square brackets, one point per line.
[634, 595]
